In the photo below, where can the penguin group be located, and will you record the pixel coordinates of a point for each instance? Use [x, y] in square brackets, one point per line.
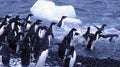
[91, 38]
[31, 41]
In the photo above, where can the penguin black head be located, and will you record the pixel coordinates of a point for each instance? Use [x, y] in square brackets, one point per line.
[30, 14]
[38, 22]
[53, 23]
[73, 29]
[77, 33]
[7, 16]
[44, 27]
[29, 22]
[88, 28]
[63, 17]
[104, 25]
[18, 17]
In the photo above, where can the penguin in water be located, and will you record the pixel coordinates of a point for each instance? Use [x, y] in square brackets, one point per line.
[93, 38]
[60, 23]
[110, 36]
[100, 30]
[5, 52]
[70, 57]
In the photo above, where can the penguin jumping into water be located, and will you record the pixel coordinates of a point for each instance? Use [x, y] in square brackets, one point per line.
[60, 23]
[100, 30]
[110, 36]
[70, 57]
[92, 37]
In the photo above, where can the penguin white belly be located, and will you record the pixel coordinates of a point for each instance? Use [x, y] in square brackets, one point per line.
[72, 59]
[42, 58]
[42, 33]
[0, 58]
[2, 30]
[12, 25]
[29, 18]
[19, 28]
[28, 26]
[49, 38]
[36, 27]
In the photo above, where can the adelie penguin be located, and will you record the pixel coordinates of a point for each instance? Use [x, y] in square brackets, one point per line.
[5, 19]
[100, 30]
[5, 52]
[65, 43]
[70, 57]
[44, 50]
[50, 30]
[85, 36]
[61, 23]
[93, 38]
[25, 51]
[110, 36]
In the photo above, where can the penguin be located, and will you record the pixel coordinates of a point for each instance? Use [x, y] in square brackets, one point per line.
[44, 50]
[110, 36]
[70, 57]
[85, 36]
[5, 20]
[60, 23]
[42, 58]
[28, 25]
[74, 39]
[28, 18]
[93, 38]
[25, 51]
[2, 29]
[63, 46]
[33, 29]
[100, 30]
[18, 39]
[5, 52]
[42, 32]
[50, 30]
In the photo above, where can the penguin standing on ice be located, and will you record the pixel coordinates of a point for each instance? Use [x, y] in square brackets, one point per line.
[27, 22]
[25, 51]
[44, 50]
[65, 43]
[5, 52]
[70, 57]
[60, 23]
[50, 31]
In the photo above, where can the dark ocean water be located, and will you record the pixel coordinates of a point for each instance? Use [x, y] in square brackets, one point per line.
[90, 12]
